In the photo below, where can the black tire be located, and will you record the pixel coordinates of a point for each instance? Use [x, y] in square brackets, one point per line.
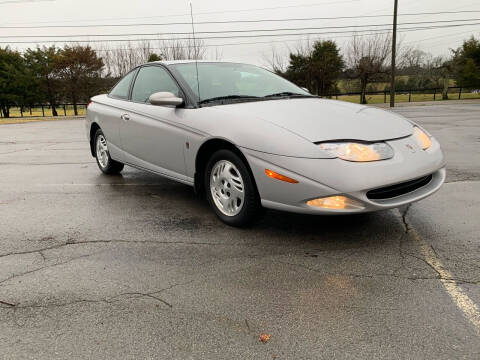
[251, 208]
[111, 167]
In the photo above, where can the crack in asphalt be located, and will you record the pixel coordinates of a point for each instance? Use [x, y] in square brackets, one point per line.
[451, 285]
[14, 276]
[6, 303]
[110, 300]
[113, 241]
[404, 213]
[408, 228]
[115, 298]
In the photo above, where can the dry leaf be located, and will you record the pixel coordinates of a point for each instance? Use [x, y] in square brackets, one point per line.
[265, 337]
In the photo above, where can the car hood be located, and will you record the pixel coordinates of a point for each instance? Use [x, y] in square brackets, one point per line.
[321, 120]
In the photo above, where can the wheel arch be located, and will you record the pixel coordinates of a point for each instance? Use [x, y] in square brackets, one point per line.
[93, 129]
[206, 150]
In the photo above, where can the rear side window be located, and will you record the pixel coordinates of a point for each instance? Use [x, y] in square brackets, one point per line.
[152, 79]
[120, 91]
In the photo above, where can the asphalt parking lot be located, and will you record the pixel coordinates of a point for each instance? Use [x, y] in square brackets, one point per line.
[136, 266]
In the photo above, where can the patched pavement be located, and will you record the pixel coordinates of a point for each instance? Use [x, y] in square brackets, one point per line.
[136, 266]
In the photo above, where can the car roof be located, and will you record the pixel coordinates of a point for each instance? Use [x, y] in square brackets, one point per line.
[173, 62]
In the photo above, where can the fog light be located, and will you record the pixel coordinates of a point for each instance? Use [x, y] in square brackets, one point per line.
[336, 203]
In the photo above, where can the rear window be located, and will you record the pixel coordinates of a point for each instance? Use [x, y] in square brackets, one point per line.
[121, 90]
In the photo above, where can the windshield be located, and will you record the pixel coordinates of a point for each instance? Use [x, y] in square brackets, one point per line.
[229, 80]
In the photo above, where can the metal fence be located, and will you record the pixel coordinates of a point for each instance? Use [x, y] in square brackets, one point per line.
[429, 94]
[45, 110]
[433, 94]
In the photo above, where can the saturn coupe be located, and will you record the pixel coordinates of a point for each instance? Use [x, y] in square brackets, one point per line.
[248, 139]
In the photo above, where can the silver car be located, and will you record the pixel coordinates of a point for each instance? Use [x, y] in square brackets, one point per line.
[248, 139]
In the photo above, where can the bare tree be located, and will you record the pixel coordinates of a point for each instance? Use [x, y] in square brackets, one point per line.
[182, 49]
[438, 69]
[367, 59]
[217, 54]
[275, 61]
[413, 58]
[120, 60]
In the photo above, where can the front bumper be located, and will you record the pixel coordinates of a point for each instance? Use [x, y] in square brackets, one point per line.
[330, 177]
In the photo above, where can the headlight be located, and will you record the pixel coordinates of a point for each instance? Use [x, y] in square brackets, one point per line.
[422, 138]
[352, 151]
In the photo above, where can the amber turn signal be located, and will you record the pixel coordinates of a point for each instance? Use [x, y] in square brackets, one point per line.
[280, 177]
[423, 139]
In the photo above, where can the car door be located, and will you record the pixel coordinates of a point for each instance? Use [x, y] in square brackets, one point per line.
[111, 112]
[151, 136]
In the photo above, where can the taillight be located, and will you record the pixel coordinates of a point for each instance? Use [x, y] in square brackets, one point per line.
[89, 104]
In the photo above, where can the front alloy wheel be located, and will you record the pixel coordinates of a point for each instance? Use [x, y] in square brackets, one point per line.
[226, 185]
[231, 190]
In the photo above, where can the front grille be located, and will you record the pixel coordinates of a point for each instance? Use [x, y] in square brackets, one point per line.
[392, 191]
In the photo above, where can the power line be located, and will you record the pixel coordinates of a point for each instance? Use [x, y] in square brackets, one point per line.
[329, 2]
[236, 21]
[387, 31]
[234, 31]
[241, 43]
[438, 37]
[273, 8]
[23, 1]
[236, 36]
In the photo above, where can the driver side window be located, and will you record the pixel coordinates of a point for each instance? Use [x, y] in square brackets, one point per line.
[152, 79]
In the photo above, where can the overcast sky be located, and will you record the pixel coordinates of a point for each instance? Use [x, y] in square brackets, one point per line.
[253, 50]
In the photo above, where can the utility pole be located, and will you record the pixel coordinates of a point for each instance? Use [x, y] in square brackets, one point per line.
[394, 53]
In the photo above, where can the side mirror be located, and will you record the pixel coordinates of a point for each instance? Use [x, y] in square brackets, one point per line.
[304, 88]
[165, 98]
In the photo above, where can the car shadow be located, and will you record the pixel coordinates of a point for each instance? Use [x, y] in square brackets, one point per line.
[191, 212]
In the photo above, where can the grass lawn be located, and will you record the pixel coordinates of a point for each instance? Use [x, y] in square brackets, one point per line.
[378, 99]
[371, 99]
[379, 86]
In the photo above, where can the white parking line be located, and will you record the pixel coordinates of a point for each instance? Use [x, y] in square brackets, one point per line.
[458, 295]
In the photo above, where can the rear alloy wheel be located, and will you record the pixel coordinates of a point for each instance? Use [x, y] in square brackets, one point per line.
[106, 164]
[230, 189]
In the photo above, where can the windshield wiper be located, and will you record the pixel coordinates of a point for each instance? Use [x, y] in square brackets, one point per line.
[227, 97]
[287, 94]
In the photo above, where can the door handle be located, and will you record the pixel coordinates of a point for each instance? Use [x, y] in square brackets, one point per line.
[125, 117]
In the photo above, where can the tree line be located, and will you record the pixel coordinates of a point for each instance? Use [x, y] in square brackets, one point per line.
[74, 73]
[365, 65]
[49, 75]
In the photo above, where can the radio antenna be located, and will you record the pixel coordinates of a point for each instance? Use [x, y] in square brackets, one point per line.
[195, 51]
